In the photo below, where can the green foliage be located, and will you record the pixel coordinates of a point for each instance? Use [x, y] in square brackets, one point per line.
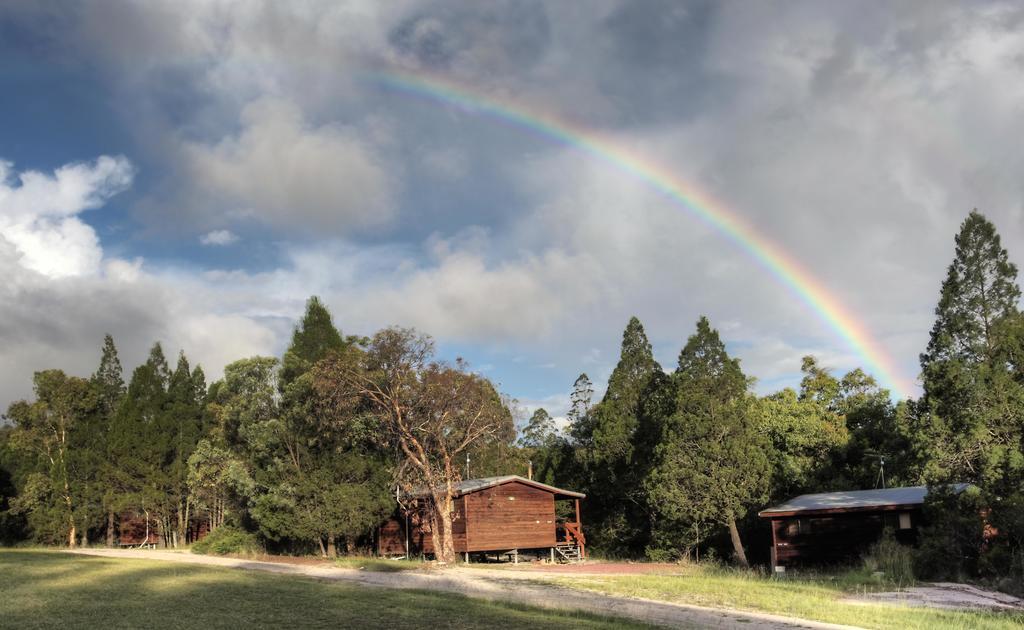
[54, 496]
[108, 380]
[580, 401]
[246, 408]
[710, 464]
[540, 431]
[973, 407]
[219, 482]
[805, 438]
[980, 289]
[893, 560]
[312, 339]
[954, 537]
[610, 469]
[432, 414]
[227, 540]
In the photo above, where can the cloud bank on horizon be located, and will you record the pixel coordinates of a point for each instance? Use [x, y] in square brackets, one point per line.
[192, 172]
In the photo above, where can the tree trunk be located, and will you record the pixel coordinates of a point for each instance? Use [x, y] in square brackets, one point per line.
[188, 515]
[332, 551]
[85, 538]
[72, 542]
[737, 544]
[320, 541]
[444, 547]
[110, 528]
[180, 531]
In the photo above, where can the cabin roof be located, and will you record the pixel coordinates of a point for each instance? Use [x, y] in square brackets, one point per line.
[854, 500]
[469, 486]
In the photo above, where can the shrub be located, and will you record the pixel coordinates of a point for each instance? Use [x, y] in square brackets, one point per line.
[893, 560]
[952, 540]
[225, 540]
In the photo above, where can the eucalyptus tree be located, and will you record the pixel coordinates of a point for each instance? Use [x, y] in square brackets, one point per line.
[431, 413]
[45, 429]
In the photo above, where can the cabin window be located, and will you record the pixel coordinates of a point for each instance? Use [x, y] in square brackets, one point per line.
[904, 520]
[797, 526]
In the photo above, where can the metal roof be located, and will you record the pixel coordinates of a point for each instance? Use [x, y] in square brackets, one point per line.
[855, 500]
[474, 485]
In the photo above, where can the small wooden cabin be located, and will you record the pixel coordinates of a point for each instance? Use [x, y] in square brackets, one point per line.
[137, 530]
[500, 515]
[836, 527]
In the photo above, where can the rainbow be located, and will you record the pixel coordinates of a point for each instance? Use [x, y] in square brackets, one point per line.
[784, 267]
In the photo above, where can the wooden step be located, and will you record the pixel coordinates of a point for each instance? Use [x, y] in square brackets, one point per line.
[568, 553]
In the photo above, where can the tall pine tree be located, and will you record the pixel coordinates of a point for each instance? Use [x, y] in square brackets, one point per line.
[327, 482]
[108, 383]
[710, 465]
[970, 414]
[606, 439]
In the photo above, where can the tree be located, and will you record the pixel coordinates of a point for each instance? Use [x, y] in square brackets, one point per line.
[108, 379]
[429, 411]
[137, 443]
[540, 431]
[246, 408]
[182, 423]
[331, 478]
[804, 437]
[710, 463]
[970, 415]
[878, 435]
[579, 401]
[108, 383]
[12, 525]
[46, 429]
[979, 291]
[312, 339]
[818, 385]
[606, 437]
[969, 425]
[217, 481]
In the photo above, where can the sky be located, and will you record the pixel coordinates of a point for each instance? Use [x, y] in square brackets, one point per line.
[191, 172]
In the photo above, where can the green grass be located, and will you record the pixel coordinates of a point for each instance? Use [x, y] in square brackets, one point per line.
[41, 589]
[808, 597]
[369, 563]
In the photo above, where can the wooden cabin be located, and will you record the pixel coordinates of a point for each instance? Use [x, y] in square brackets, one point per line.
[499, 515]
[137, 530]
[835, 527]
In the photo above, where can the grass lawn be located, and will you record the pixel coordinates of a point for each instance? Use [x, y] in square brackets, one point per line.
[45, 589]
[815, 598]
[370, 563]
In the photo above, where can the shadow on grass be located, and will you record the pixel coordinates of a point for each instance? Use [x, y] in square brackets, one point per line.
[48, 590]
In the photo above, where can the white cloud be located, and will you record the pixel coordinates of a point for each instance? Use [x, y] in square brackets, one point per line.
[856, 138]
[219, 237]
[38, 213]
[60, 295]
[295, 176]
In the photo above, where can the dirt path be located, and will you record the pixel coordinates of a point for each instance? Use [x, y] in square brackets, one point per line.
[500, 586]
[947, 595]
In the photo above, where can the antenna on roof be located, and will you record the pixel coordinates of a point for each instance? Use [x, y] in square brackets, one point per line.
[880, 480]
